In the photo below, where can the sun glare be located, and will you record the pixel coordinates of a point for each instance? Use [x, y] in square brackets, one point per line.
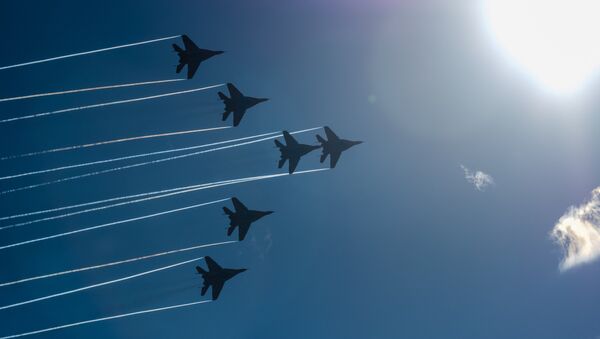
[554, 41]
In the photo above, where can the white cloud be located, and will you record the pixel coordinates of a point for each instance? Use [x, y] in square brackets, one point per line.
[578, 233]
[479, 179]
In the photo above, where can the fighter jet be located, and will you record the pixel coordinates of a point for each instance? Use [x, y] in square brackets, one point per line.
[242, 218]
[292, 151]
[215, 277]
[334, 146]
[238, 104]
[192, 56]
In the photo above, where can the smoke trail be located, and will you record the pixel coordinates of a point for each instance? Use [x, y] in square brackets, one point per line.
[89, 52]
[59, 235]
[60, 216]
[114, 169]
[114, 263]
[114, 141]
[89, 89]
[112, 199]
[230, 181]
[51, 296]
[111, 103]
[128, 166]
[104, 319]
[175, 191]
[98, 162]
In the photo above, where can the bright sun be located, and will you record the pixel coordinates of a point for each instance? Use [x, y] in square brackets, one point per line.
[556, 41]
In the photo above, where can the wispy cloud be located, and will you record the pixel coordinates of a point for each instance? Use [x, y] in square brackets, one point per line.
[261, 245]
[578, 233]
[479, 179]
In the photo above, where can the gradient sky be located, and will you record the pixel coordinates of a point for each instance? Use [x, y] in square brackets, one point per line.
[393, 243]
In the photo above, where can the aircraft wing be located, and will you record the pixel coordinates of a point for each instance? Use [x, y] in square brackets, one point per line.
[293, 164]
[192, 67]
[333, 159]
[243, 230]
[212, 265]
[189, 44]
[237, 116]
[234, 92]
[330, 134]
[239, 207]
[216, 289]
[289, 139]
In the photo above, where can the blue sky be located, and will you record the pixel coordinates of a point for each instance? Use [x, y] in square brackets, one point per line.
[392, 243]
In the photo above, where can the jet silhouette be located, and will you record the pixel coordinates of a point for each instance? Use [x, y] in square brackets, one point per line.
[242, 218]
[216, 276]
[292, 151]
[192, 56]
[238, 103]
[334, 146]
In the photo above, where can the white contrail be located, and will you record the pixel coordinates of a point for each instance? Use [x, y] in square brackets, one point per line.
[147, 162]
[104, 319]
[132, 165]
[88, 52]
[114, 263]
[114, 141]
[133, 196]
[65, 215]
[110, 224]
[51, 296]
[89, 89]
[115, 199]
[111, 103]
[128, 157]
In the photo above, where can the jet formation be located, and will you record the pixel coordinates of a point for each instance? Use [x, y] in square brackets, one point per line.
[237, 103]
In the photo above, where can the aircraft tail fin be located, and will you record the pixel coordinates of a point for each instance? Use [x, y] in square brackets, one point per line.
[179, 67]
[227, 211]
[200, 270]
[230, 230]
[177, 48]
[321, 140]
[223, 96]
[279, 144]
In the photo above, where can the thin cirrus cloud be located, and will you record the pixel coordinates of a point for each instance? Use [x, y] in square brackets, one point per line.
[479, 179]
[578, 233]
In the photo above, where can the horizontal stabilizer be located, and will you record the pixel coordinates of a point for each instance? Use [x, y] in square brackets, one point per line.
[320, 139]
[226, 115]
[180, 67]
[279, 144]
[177, 48]
[230, 230]
[324, 156]
[200, 270]
[227, 211]
[281, 163]
[223, 96]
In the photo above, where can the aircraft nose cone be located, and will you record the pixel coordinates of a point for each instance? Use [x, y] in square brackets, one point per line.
[268, 212]
[263, 99]
[357, 142]
[219, 52]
